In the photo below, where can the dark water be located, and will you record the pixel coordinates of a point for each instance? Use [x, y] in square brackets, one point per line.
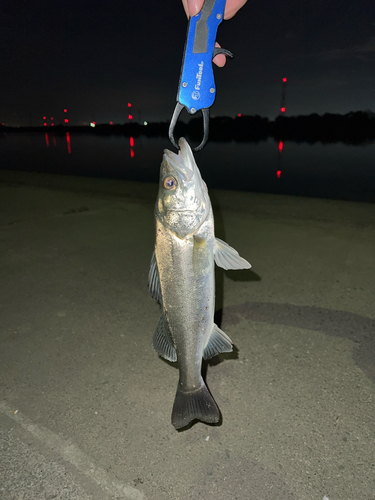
[335, 171]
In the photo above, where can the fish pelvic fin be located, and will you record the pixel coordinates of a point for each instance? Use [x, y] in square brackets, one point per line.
[154, 281]
[227, 257]
[218, 342]
[197, 405]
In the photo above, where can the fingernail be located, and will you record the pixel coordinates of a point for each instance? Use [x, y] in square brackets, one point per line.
[194, 7]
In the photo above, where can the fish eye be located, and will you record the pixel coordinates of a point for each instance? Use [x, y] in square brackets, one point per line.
[170, 183]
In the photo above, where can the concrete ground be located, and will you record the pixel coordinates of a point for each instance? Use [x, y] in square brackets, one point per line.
[85, 402]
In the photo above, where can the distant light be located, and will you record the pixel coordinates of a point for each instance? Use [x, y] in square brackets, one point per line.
[52, 118]
[129, 105]
[278, 173]
[145, 123]
[282, 110]
[281, 145]
[131, 142]
[111, 123]
[52, 124]
[130, 117]
[284, 80]
[65, 110]
[47, 140]
[131, 153]
[92, 124]
[44, 118]
[45, 124]
[239, 115]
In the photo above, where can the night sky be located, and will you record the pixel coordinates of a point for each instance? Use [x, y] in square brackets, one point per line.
[94, 57]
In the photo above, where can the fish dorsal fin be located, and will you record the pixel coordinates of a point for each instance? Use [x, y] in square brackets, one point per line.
[153, 280]
[217, 343]
[162, 341]
[227, 257]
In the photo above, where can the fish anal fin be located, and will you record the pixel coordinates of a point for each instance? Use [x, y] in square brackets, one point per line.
[196, 405]
[218, 342]
[227, 257]
[162, 341]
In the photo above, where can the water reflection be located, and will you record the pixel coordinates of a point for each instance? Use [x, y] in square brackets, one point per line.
[280, 148]
[54, 140]
[269, 166]
[68, 142]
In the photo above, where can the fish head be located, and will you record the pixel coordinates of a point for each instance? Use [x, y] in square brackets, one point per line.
[183, 203]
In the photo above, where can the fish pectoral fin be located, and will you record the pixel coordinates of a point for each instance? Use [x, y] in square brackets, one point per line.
[217, 343]
[162, 341]
[227, 257]
[154, 281]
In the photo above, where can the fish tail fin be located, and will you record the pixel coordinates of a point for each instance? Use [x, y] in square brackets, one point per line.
[194, 405]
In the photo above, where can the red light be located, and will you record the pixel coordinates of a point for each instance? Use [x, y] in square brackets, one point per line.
[47, 140]
[111, 123]
[52, 124]
[94, 123]
[282, 110]
[129, 105]
[131, 142]
[131, 153]
[52, 118]
[65, 110]
[284, 80]
[239, 115]
[278, 173]
[281, 145]
[66, 120]
[130, 117]
[44, 118]
[68, 142]
[45, 124]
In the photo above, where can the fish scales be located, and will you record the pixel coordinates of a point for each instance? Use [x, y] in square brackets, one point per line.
[188, 299]
[182, 279]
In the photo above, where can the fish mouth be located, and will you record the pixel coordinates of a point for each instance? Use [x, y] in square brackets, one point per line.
[181, 210]
[178, 163]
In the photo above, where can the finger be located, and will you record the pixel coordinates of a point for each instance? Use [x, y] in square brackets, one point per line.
[192, 7]
[232, 7]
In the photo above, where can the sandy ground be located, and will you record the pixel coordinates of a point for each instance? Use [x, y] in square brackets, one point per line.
[85, 402]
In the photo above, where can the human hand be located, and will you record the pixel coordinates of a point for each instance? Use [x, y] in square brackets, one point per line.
[192, 7]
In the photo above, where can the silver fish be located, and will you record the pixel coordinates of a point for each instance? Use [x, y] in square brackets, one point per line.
[182, 280]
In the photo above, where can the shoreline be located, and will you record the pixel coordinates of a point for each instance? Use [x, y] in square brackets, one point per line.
[278, 206]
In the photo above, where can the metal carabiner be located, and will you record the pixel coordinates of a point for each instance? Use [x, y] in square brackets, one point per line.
[196, 88]
[206, 118]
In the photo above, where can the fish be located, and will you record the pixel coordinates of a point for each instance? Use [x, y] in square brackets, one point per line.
[182, 280]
